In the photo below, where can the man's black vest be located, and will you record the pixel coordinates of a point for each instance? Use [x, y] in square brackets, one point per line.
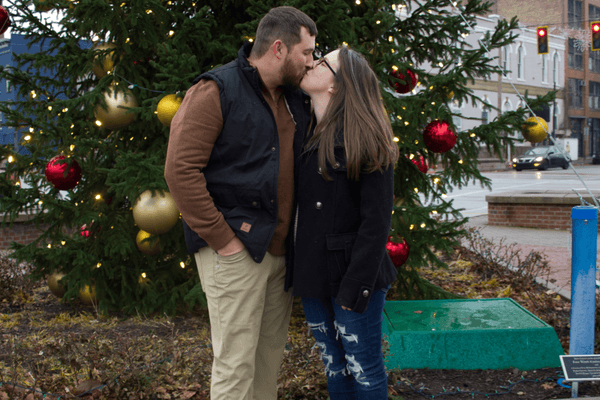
[242, 171]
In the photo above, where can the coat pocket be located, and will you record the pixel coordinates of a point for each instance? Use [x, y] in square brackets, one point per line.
[339, 251]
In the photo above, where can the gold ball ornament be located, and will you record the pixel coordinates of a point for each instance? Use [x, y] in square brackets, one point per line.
[155, 214]
[537, 132]
[87, 294]
[104, 62]
[167, 108]
[58, 289]
[149, 246]
[143, 279]
[116, 114]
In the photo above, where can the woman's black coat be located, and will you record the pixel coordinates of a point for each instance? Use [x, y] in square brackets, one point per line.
[340, 232]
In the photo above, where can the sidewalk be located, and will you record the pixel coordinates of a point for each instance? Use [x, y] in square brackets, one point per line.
[555, 244]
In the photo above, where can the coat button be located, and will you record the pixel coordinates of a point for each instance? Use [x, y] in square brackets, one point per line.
[366, 293]
[254, 203]
[318, 205]
[336, 165]
[306, 101]
[273, 149]
[320, 171]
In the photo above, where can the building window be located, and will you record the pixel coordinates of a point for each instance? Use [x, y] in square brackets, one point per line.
[594, 99]
[506, 106]
[485, 115]
[594, 13]
[575, 56]
[544, 69]
[576, 93]
[521, 65]
[594, 61]
[456, 115]
[556, 65]
[575, 14]
[505, 60]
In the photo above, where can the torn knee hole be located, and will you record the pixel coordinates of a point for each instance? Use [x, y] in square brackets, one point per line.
[320, 327]
[341, 330]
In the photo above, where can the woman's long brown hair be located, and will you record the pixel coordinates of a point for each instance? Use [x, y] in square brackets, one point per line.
[357, 108]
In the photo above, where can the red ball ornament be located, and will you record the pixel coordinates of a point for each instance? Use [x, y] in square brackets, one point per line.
[398, 252]
[4, 20]
[55, 173]
[410, 81]
[85, 231]
[439, 137]
[421, 163]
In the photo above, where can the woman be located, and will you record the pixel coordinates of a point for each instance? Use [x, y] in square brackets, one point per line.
[345, 197]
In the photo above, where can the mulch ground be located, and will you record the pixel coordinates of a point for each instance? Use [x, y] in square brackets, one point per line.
[49, 348]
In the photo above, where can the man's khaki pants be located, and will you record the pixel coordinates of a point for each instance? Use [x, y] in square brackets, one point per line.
[249, 318]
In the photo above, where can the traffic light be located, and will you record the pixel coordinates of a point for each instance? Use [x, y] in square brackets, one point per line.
[595, 28]
[542, 39]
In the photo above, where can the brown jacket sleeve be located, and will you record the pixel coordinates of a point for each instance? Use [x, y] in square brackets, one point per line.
[194, 130]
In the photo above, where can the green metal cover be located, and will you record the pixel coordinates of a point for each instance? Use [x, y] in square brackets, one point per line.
[468, 334]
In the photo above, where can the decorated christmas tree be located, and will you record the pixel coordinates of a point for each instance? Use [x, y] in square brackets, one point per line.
[93, 111]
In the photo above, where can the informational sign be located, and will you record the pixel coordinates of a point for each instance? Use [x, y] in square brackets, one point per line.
[581, 368]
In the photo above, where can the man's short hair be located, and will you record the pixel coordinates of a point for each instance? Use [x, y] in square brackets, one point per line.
[281, 23]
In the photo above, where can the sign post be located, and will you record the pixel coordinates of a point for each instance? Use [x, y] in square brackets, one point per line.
[583, 282]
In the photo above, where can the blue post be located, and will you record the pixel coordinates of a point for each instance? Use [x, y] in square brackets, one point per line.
[583, 279]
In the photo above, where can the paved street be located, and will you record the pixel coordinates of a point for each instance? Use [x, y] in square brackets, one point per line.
[472, 197]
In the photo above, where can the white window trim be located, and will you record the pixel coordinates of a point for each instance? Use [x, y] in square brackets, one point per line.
[507, 53]
[544, 59]
[521, 55]
[556, 78]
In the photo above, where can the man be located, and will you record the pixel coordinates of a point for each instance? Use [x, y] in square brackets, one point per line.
[230, 169]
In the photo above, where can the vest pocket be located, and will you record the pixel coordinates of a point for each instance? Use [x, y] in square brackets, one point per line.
[339, 252]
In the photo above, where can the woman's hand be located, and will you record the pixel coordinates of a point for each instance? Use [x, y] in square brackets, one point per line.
[346, 308]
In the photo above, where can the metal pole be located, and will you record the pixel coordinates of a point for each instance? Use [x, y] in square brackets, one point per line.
[583, 282]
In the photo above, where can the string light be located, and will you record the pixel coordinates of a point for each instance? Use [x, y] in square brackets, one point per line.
[98, 265]
[416, 190]
[182, 264]
[98, 123]
[27, 138]
[171, 33]
[98, 197]
[144, 275]
[423, 225]
[10, 159]
[460, 161]
[396, 139]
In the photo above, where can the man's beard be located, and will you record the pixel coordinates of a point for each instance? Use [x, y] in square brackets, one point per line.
[292, 78]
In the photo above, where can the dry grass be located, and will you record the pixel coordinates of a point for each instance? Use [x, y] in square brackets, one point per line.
[50, 349]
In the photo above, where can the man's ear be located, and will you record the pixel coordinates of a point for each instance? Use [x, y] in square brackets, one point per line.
[277, 48]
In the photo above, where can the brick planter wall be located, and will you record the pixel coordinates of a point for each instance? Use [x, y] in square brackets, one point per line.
[546, 209]
[22, 231]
